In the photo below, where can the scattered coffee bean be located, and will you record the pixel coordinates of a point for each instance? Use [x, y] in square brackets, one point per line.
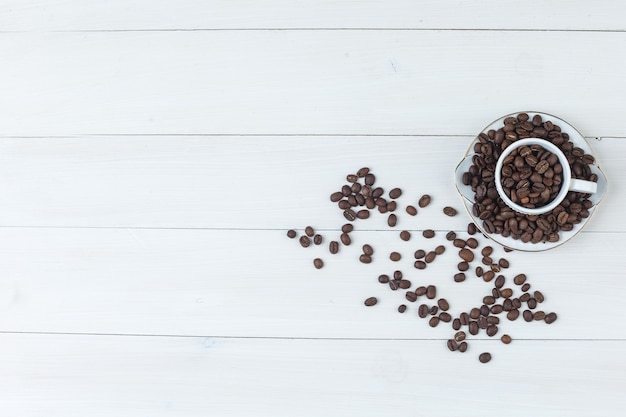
[419, 254]
[395, 256]
[401, 308]
[405, 235]
[350, 215]
[460, 277]
[366, 259]
[459, 243]
[525, 297]
[393, 285]
[492, 330]
[532, 303]
[488, 276]
[506, 293]
[539, 315]
[392, 220]
[472, 243]
[305, 241]
[499, 281]
[345, 239]
[473, 328]
[430, 256]
[487, 251]
[420, 264]
[466, 254]
[463, 266]
[383, 279]
[443, 304]
[395, 193]
[474, 313]
[431, 292]
[291, 233]
[513, 314]
[479, 271]
[351, 178]
[525, 287]
[428, 233]
[459, 336]
[449, 211]
[347, 228]
[462, 346]
[439, 250]
[397, 275]
[335, 197]
[451, 236]
[424, 201]
[368, 250]
[506, 339]
[539, 296]
[370, 179]
[528, 315]
[452, 345]
[371, 301]
[362, 172]
[423, 311]
[445, 317]
[456, 324]
[503, 263]
[317, 239]
[434, 310]
[550, 318]
[434, 321]
[484, 357]
[404, 284]
[471, 229]
[519, 279]
[411, 210]
[411, 296]
[309, 231]
[363, 214]
[333, 247]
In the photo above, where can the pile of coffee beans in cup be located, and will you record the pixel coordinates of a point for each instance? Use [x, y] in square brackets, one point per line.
[496, 216]
[508, 297]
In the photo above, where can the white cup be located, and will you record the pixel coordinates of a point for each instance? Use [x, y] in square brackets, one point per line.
[568, 183]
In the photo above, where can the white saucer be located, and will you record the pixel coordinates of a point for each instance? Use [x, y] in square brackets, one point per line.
[467, 195]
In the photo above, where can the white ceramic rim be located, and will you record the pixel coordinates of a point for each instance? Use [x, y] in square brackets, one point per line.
[565, 184]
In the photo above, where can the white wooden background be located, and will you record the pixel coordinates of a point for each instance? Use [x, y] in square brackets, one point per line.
[154, 153]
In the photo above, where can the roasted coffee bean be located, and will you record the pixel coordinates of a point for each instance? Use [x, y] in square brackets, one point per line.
[352, 178]
[346, 190]
[496, 309]
[472, 243]
[395, 256]
[525, 297]
[492, 330]
[488, 276]
[459, 243]
[371, 301]
[484, 357]
[503, 263]
[318, 263]
[463, 266]
[347, 228]
[333, 247]
[404, 284]
[452, 345]
[449, 211]
[383, 279]
[471, 229]
[443, 304]
[464, 318]
[434, 310]
[401, 308]
[423, 311]
[513, 314]
[419, 254]
[495, 292]
[370, 179]
[362, 172]
[539, 315]
[466, 254]
[462, 346]
[507, 305]
[335, 197]
[411, 210]
[550, 318]
[434, 321]
[451, 236]
[410, 295]
[393, 285]
[363, 214]
[519, 279]
[528, 315]
[484, 310]
[473, 328]
[428, 233]
[532, 303]
[439, 250]
[506, 339]
[489, 300]
[479, 271]
[445, 317]
[539, 296]
[487, 251]
[305, 241]
[350, 215]
[392, 206]
[456, 324]
[368, 250]
[424, 201]
[392, 220]
[430, 256]
[431, 292]
[506, 292]
[474, 313]
[525, 287]
[459, 336]
[309, 231]
[516, 302]
[397, 275]
[345, 239]
[356, 187]
[395, 193]
[500, 282]
[291, 233]
[377, 193]
[487, 260]
[366, 259]
[420, 264]
[405, 235]
[317, 239]
[460, 277]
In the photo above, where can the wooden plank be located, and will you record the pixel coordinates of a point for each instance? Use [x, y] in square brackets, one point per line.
[130, 376]
[271, 14]
[261, 284]
[306, 82]
[240, 182]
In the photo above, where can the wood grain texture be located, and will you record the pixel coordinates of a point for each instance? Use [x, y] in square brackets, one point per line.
[306, 82]
[69, 15]
[130, 376]
[262, 284]
[260, 182]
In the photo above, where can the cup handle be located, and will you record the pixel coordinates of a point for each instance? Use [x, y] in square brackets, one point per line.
[582, 186]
